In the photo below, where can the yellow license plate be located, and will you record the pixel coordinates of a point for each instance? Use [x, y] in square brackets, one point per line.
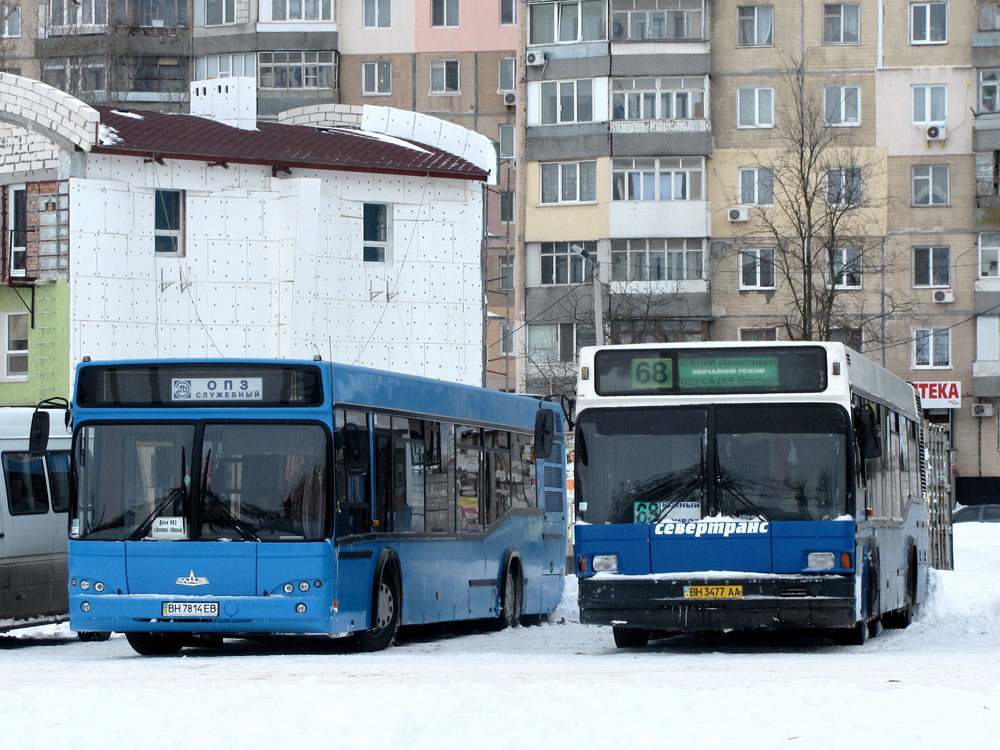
[713, 592]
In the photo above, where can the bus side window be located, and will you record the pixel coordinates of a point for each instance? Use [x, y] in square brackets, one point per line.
[497, 479]
[469, 485]
[522, 489]
[353, 494]
[26, 490]
[439, 478]
[407, 474]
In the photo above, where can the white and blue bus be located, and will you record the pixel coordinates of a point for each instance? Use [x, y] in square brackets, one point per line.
[729, 486]
[225, 498]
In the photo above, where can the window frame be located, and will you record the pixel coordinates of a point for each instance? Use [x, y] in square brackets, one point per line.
[578, 167]
[444, 66]
[928, 103]
[755, 12]
[447, 10]
[557, 22]
[763, 331]
[14, 218]
[931, 267]
[505, 272]
[561, 350]
[376, 6]
[994, 262]
[376, 65]
[320, 5]
[926, 6]
[622, 183]
[847, 266]
[559, 109]
[847, 178]
[842, 94]
[622, 101]
[18, 376]
[512, 14]
[757, 172]
[510, 62]
[841, 7]
[378, 245]
[577, 269]
[658, 261]
[993, 84]
[755, 254]
[10, 13]
[506, 341]
[510, 139]
[931, 203]
[928, 333]
[302, 65]
[176, 235]
[758, 123]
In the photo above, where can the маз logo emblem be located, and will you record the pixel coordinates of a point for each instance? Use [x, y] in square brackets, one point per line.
[192, 580]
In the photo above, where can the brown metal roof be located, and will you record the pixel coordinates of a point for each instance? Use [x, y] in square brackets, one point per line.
[158, 135]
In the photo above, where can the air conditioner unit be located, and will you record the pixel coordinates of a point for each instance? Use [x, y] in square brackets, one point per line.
[982, 410]
[937, 132]
[739, 213]
[534, 59]
[510, 98]
[944, 295]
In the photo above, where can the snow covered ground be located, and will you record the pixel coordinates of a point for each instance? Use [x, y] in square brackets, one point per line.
[934, 685]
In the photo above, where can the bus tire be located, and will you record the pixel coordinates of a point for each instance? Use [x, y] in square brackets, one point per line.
[88, 636]
[853, 636]
[902, 618]
[155, 644]
[509, 614]
[386, 604]
[630, 637]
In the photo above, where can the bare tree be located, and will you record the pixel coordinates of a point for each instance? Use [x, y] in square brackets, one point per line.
[824, 231]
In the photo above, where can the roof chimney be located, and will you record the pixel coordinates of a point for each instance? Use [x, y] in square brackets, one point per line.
[231, 101]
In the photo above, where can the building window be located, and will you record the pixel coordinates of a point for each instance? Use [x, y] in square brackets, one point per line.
[841, 23]
[169, 222]
[506, 272]
[756, 108]
[932, 266]
[560, 264]
[931, 348]
[672, 259]
[673, 20]
[301, 10]
[549, 343]
[843, 186]
[83, 13]
[378, 14]
[296, 70]
[376, 78]
[16, 359]
[225, 66]
[506, 75]
[989, 255]
[75, 74]
[444, 12]
[220, 12]
[376, 232]
[575, 21]
[567, 101]
[506, 339]
[756, 186]
[757, 268]
[929, 104]
[668, 178]
[506, 206]
[506, 141]
[508, 12]
[10, 21]
[989, 90]
[842, 105]
[928, 23]
[569, 182]
[758, 334]
[445, 77]
[17, 226]
[930, 184]
[845, 267]
[755, 25]
[658, 98]
[852, 337]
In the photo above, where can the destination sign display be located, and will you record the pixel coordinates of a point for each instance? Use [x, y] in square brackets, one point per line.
[622, 372]
[191, 384]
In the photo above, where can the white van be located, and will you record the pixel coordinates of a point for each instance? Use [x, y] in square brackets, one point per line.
[34, 503]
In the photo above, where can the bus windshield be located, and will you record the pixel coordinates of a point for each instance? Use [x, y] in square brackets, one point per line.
[786, 462]
[246, 482]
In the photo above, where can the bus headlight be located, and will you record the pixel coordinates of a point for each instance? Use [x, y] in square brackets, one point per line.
[84, 584]
[288, 588]
[85, 606]
[820, 561]
[605, 563]
[303, 586]
[300, 608]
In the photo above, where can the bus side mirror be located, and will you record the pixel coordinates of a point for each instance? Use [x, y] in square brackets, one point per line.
[355, 450]
[38, 437]
[544, 432]
[866, 429]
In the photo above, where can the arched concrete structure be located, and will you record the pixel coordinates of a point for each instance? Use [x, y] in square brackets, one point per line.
[65, 120]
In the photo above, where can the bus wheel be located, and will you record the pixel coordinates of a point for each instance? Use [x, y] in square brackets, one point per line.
[155, 644]
[630, 637]
[510, 599]
[385, 617]
[854, 636]
[93, 635]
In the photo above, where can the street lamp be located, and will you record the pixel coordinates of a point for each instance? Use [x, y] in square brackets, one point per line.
[598, 306]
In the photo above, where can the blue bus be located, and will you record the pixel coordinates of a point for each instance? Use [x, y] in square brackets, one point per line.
[731, 486]
[227, 498]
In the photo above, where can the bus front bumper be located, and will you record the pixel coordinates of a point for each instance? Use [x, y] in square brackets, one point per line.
[767, 602]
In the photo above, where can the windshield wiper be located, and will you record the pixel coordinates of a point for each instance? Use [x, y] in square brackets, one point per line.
[723, 482]
[216, 502]
[141, 530]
